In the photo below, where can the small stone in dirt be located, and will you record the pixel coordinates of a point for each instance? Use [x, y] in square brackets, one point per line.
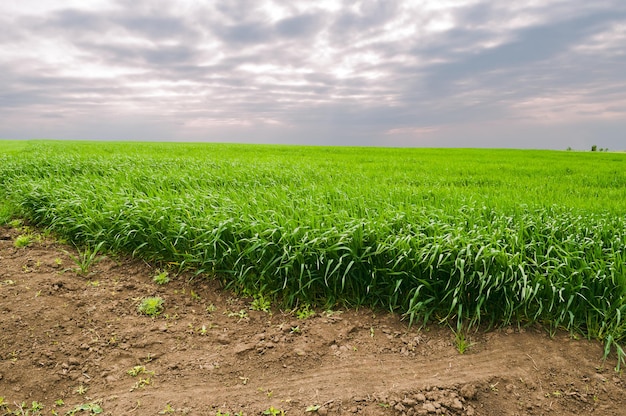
[470, 411]
[322, 411]
[600, 377]
[468, 391]
[241, 348]
[456, 404]
[429, 407]
[409, 402]
[420, 397]
[299, 352]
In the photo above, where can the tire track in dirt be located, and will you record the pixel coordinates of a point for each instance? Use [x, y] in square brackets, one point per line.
[350, 379]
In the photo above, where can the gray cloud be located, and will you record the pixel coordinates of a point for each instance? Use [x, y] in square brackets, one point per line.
[239, 10]
[299, 26]
[69, 20]
[167, 55]
[480, 83]
[369, 15]
[252, 33]
[154, 27]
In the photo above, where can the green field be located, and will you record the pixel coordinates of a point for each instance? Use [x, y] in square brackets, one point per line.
[458, 235]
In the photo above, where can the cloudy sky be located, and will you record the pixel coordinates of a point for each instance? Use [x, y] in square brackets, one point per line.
[435, 73]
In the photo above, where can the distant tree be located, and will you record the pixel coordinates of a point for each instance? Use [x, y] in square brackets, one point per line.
[594, 148]
[569, 149]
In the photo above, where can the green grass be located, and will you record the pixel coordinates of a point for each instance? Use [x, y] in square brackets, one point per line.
[463, 235]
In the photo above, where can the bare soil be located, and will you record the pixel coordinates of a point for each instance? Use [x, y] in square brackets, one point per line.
[75, 337]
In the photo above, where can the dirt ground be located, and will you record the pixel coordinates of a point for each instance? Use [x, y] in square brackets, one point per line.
[76, 344]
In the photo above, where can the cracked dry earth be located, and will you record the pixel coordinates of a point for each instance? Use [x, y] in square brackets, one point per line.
[75, 340]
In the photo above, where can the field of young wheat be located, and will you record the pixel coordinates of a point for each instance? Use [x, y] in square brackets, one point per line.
[465, 236]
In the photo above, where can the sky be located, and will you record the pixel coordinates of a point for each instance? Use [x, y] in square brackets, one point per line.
[545, 74]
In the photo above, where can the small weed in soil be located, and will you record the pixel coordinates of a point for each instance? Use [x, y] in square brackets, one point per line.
[17, 224]
[151, 306]
[35, 408]
[138, 369]
[462, 342]
[87, 257]
[305, 312]
[242, 314]
[272, 411]
[81, 390]
[23, 240]
[167, 410]
[161, 278]
[260, 303]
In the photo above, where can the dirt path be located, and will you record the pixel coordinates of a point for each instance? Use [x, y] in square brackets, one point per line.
[75, 338]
